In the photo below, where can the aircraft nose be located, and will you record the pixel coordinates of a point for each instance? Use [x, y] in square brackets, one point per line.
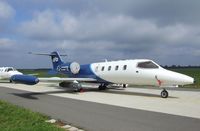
[187, 79]
[180, 79]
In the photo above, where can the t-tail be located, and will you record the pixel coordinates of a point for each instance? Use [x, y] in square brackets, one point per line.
[55, 58]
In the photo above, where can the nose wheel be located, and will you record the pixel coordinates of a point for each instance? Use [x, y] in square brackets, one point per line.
[164, 93]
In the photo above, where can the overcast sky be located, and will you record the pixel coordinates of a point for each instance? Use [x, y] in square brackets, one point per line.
[167, 31]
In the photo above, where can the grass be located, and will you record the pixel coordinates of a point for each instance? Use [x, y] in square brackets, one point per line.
[14, 118]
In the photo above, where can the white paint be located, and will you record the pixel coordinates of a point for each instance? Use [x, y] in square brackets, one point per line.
[51, 121]
[137, 75]
[7, 72]
[66, 126]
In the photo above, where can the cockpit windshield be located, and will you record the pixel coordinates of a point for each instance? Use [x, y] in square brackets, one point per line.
[147, 64]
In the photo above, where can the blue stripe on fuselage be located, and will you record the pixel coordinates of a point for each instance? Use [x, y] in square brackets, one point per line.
[85, 72]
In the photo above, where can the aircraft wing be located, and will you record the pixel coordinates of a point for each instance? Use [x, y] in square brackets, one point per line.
[58, 79]
[32, 80]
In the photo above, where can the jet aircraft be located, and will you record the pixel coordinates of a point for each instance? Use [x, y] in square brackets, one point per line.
[133, 72]
[7, 72]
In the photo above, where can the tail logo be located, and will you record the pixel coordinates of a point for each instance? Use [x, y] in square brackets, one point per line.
[55, 59]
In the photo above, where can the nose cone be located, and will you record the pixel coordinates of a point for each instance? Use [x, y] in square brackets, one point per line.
[184, 79]
[17, 73]
[174, 78]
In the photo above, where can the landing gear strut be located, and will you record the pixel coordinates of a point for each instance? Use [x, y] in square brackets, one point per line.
[164, 93]
[102, 87]
[124, 85]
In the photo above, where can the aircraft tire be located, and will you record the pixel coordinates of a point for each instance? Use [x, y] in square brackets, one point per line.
[78, 90]
[124, 86]
[102, 87]
[164, 94]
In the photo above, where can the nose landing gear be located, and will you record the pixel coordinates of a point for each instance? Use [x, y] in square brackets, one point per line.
[164, 93]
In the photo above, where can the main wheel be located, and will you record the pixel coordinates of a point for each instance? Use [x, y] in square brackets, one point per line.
[102, 87]
[79, 90]
[124, 85]
[164, 94]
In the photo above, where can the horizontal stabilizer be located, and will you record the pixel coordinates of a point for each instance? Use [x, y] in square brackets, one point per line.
[46, 54]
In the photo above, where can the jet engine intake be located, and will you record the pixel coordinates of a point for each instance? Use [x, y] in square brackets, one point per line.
[74, 67]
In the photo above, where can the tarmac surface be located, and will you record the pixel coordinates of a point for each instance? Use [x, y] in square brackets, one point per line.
[138, 109]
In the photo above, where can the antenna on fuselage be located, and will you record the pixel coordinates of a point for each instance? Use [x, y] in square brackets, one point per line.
[105, 60]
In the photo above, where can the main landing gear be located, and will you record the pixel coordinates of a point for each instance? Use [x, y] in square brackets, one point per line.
[124, 85]
[102, 87]
[164, 93]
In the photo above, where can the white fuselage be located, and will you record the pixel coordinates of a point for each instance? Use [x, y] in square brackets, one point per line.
[139, 72]
[7, 72]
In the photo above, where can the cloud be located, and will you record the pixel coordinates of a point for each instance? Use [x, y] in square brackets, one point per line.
[6, 43]
[166, 31]
[6, 12]
[162, 12]
[6, 46]
[120, 32]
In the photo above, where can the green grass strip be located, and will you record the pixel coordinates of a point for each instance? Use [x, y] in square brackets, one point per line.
[14, 118]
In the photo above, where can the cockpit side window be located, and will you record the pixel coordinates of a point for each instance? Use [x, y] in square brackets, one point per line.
[10, 69]
[147, 64]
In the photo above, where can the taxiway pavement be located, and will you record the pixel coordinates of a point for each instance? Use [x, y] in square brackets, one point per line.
[114, 109]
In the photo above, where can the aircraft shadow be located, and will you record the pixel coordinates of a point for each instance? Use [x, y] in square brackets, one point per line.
[122, 92]
[4, 82]
[33, 95]
[117, 90]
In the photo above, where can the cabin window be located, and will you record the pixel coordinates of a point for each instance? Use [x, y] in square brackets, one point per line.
[116, 67]
[102, 68]
[109, 68]
[124, 67]
[147, 64]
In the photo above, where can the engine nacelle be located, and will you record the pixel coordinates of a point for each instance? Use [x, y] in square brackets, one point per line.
[25, 79]
[75, 85]
[73, 67]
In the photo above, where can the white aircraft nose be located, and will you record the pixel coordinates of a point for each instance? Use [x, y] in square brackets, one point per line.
[177, 78]
[185, 80]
